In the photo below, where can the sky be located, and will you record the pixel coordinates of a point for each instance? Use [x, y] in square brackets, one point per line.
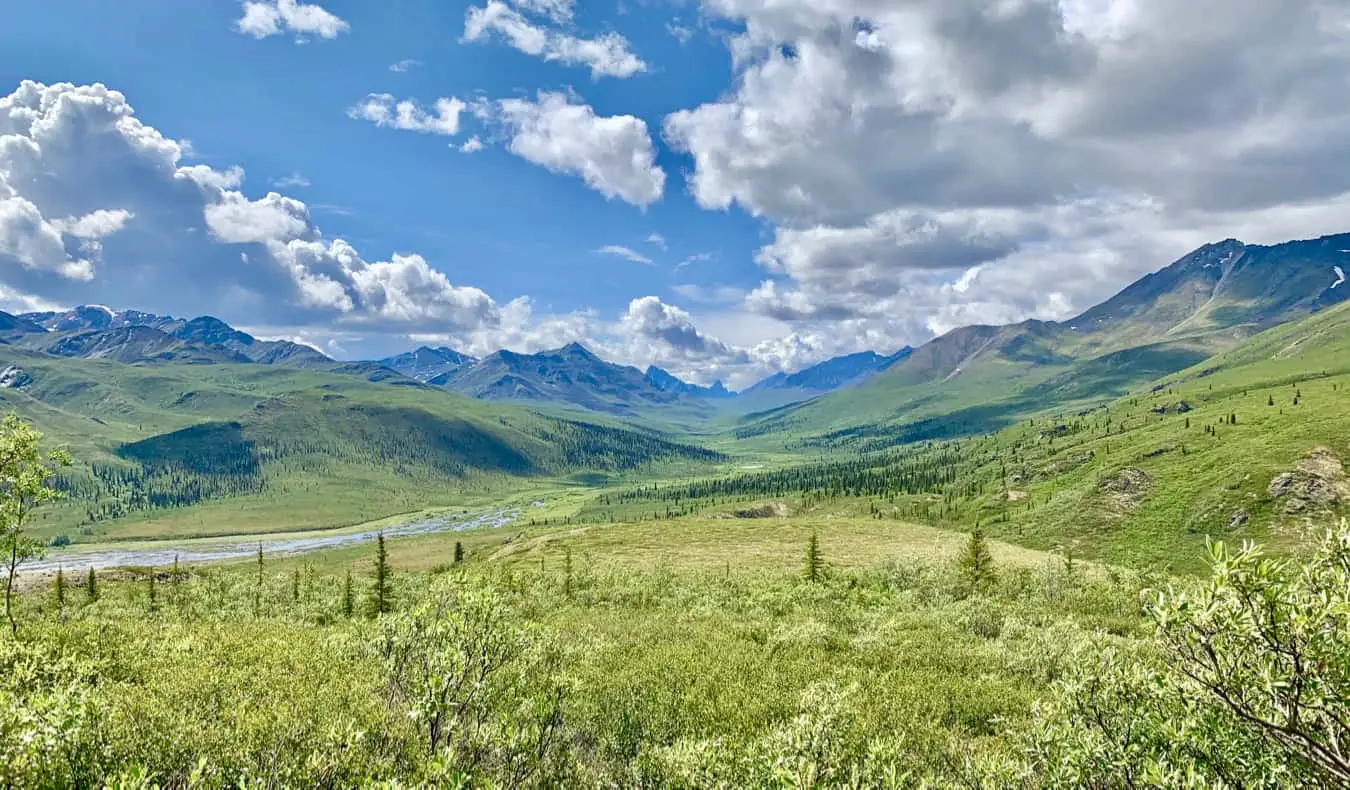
[725, 188]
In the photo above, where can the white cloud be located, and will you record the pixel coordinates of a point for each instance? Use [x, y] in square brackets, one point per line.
[407, 64]
[382, 109]
[657, 239]
[95, 225]
[100, 207]
[292, 181]
[1039, 154]
[237, 220]
[717, 294]
[263, 18]
[627, 253]
[606, 55]
[614, 155]
[26, 237]
[471, 145]
[698, 257]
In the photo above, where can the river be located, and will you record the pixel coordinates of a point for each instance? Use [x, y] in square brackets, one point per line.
[196, 550]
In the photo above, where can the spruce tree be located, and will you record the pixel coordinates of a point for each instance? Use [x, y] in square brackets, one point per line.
[60, 592]
[380, 592]
[976, 563]
[91, 585]
[567, 570]
[813, 568]
[150, 588]
[459, 552]
[257, 590]
[347, 596]
[295, 585]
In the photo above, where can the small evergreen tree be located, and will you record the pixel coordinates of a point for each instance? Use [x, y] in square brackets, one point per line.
[567, 570]
[459, 552]
[295, 585]
[60, 592]
[976, 564]
[150, 588]
[91, 585]
[174, 576]
[379, 594]
[813, 567]
[347, 596]
[258, 587]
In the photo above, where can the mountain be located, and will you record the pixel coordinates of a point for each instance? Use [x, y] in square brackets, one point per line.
[131, 336]
[130, 344]
[426, 363]
[96, 317]
[213, 331]
[568, 375]
[832, 374]
[304, 448]
[664, 381]
[1206, 302]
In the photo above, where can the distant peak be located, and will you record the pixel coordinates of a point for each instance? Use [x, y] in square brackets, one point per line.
[576, 349]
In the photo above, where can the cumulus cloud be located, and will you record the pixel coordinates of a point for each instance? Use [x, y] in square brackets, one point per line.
[382, 109]
[407, 64]
[97, 206]
[627, 253]
[613, 154]
[935, 162]
[263, 18]
[606, 55]
[100, 207]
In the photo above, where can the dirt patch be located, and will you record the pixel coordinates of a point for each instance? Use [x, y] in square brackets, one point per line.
[1127, 488]
[1014, 496]
[1318, 482]
[1180, 407]
[765, 510]
[1069, 462]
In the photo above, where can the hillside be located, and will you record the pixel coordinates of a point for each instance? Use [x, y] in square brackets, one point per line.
[1249, 443]
[244, 447]
[1206, 302]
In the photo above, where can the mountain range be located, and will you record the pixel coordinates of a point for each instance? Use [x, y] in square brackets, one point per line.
[981, 376]
[571, 375]
[1203, 303]
[168, 413]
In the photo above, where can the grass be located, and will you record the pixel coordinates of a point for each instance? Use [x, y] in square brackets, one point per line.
[680, 641]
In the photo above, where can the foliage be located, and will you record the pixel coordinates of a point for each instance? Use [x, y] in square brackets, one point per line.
[813, 565]
[24, 486]
[976, 563]
[479, 687]
[379, 590]
[1247, 684]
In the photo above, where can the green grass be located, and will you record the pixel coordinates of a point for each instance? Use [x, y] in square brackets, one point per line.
[676, 638]
[253, 448]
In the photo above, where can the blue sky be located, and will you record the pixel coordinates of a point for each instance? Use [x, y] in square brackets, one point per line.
[832, 174]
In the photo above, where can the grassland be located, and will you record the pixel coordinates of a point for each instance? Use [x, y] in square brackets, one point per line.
[687, 653]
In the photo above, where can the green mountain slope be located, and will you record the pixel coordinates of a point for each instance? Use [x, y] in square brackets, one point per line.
[241, 447]
[1249, 443]
[986, 376]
